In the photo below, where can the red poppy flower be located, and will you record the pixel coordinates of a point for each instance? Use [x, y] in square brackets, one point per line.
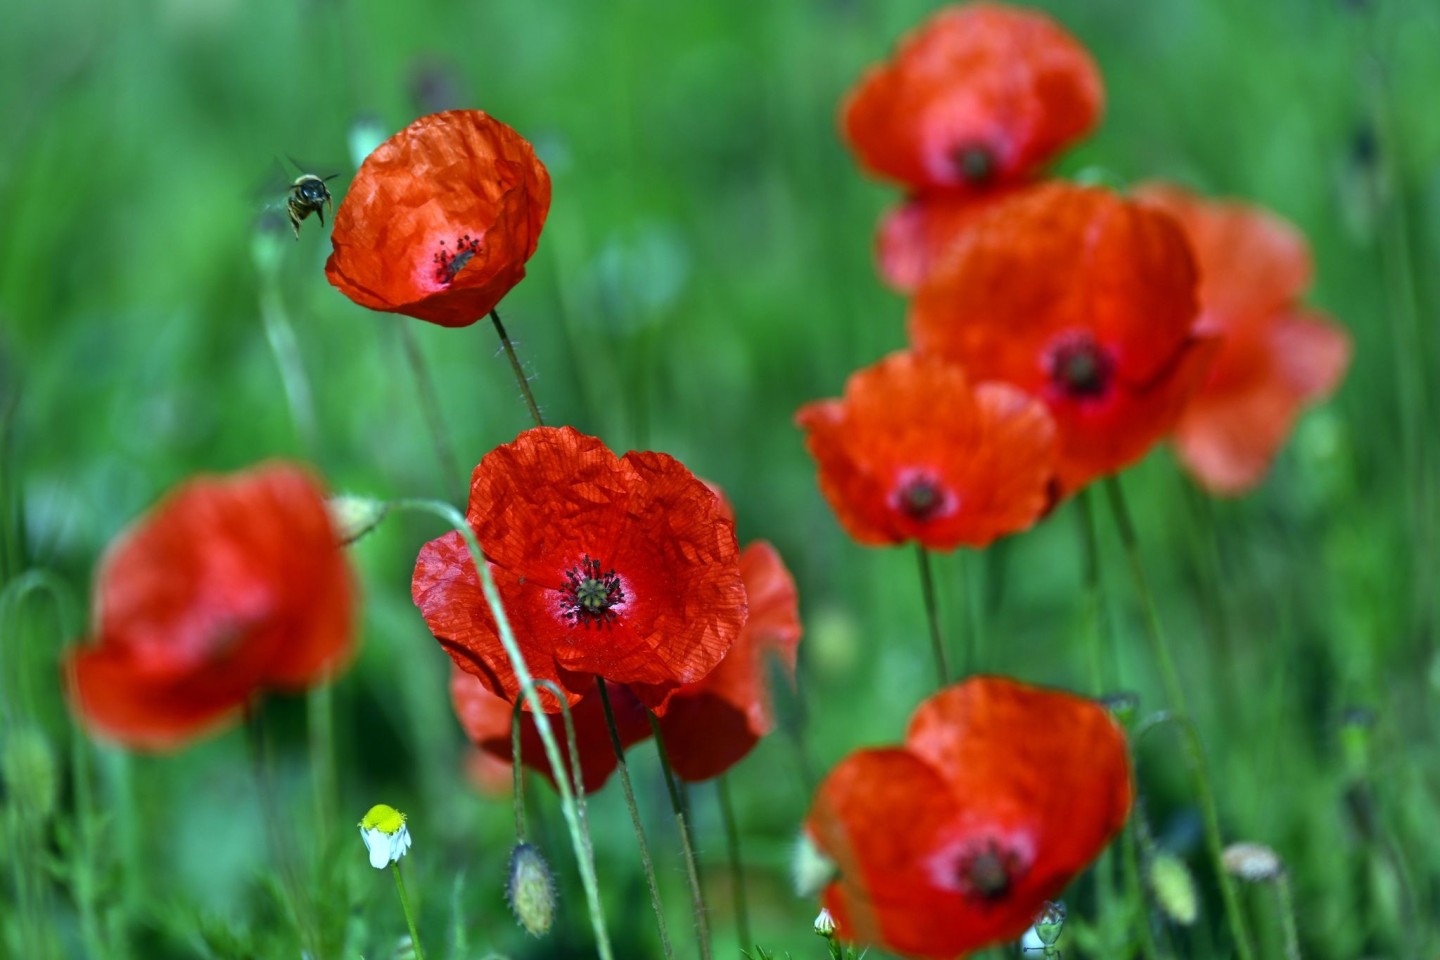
[919, 233]
[914, 452]
[1083, 299]
[1000, 795]
[709, 726]
[980, 95]
[441, 219]
[232, 585]
[1275, 358]
[617, 567]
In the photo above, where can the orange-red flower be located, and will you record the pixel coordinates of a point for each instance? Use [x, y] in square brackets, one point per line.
[1083, 299]
[981, 94]
[617, 567]
[441, 219]
[710, 725]
[919, 233]
[231, 586]
[1275, 358]
[915, 452]
[1001, 793]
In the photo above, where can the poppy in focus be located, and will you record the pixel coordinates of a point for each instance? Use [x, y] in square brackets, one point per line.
[441, 219]
[709, 726]
[1275, 358]
[230, 586]
[915, 452]
[1084, 300]
[619, 567]
[1000, 795]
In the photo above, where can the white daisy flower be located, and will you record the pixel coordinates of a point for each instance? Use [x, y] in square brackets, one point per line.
[385, 834]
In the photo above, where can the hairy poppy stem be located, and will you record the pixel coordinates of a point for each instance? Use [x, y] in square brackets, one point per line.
[573, 811]
[405, 906]
[932, 615]
[645, 861]
[520, 377]
[576, 770]
[737, 870]
[1175, 692]
[430, 410]
[692, 867]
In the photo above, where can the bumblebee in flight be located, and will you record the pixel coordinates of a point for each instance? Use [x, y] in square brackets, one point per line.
[308, 194]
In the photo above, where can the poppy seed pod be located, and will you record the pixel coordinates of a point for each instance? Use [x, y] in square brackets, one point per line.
[530, 890]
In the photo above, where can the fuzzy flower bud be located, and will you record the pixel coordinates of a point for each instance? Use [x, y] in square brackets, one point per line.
[1252, 862]
[354, 517]
[825, 924]
[530, 890]
[1174, 888]
[27, 767]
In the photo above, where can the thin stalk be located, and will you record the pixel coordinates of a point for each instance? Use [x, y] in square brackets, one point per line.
[577, 771]
[280, 334]
[515, 366]
[645, 860]
[737, 871]
[405, 905]
[281, 849]
[572, 811]
[692, 868]
[1287, 916]
[517, 770]
[1135, 890]
[932, 615]
[1176, 694]
[430, 410]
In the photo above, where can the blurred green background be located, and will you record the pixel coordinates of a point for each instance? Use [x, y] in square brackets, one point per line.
[704, 271]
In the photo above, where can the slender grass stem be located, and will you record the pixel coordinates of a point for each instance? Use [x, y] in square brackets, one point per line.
[405, 906]
[1175, 692]
[280, 335]
[430, 411]
[519, 370]
[570, 808]
[737, 866]
[1286, 901]
[692, 867]
[645, 860]
[932, 615]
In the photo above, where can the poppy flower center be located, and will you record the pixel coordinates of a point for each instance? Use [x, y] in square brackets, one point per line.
[589, 595]
[974, 162]
[448, 263]
[921, 499]
[988, 871]
[1080, 368]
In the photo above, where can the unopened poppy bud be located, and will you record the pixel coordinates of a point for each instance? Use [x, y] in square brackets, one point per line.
[355, 516]
[825, 924]
[810, 869]
[1174, 888]
[530, 890]
[28, 767]
[1050, 922]
[1254, 862]
[1123, 706]
[385, 834]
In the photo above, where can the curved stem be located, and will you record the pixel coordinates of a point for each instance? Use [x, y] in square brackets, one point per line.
[932, 615]
[692, 868]
[571, 744]
[430, 410]
[405, 905]
[737, 872]
[572, 810]
[645, 860]
[520, 377]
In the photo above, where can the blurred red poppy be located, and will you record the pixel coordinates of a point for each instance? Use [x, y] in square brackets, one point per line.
[979, 95]
[1002, 793]
[1275, 358]
[617, 567]
[441, 219]
[709, 726]
[230, 586]
[1084, 300]
[914, 452]
[920, 232]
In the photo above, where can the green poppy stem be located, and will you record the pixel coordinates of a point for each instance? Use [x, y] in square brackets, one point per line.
[737, 870]
[572, 811]
[405, 906]
[519, 370]
[932, 615]
[692, 868]
[645, 860]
